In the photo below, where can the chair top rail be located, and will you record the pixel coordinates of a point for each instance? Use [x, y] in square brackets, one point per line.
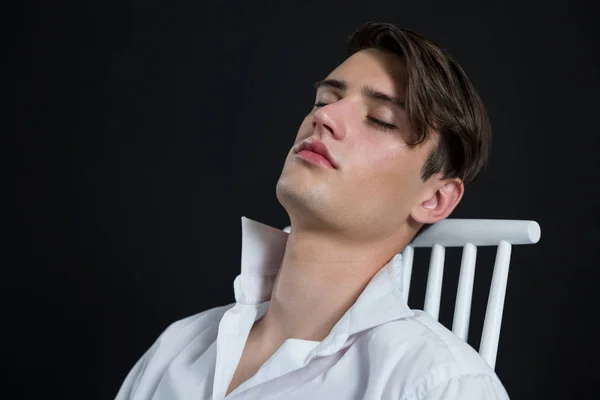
[456, 232]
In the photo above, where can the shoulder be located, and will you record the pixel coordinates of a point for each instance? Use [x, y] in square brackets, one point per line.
[454, 350]
[181, 333]
[174, 339]
[434, 344]
[194, 325]
[426, 359]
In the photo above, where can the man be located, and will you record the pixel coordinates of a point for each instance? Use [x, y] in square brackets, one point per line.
[395, 133]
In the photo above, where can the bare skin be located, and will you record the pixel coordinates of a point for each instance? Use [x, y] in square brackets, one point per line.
[349, 221]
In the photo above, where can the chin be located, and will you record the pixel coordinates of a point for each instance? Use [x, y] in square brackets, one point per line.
[289, 194]
[303, 200]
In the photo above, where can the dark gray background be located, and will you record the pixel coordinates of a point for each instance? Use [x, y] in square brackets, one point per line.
[143, 131]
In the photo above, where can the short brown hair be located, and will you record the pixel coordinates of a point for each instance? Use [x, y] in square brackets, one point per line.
[439, 98]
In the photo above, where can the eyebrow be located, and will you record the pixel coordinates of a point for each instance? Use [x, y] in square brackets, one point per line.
[367, 91]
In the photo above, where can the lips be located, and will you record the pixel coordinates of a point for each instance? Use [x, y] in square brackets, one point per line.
[314, 150]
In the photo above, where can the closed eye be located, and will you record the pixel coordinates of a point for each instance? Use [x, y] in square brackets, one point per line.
[380, 124]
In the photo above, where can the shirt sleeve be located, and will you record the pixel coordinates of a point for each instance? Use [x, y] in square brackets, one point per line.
[467, 387]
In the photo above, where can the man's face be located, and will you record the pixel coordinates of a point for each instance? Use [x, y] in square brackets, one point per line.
[375, 181]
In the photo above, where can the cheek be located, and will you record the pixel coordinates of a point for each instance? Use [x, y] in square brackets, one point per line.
[389, 171]
[380, 159]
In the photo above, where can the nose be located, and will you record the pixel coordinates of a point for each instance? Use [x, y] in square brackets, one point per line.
[324, 119]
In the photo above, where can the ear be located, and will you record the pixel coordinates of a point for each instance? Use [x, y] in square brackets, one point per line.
[439, 202]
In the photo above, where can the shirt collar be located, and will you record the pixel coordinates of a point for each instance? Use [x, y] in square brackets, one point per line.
[263, 248]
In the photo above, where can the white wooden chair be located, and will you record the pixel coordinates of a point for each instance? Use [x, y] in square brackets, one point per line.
[469, 234]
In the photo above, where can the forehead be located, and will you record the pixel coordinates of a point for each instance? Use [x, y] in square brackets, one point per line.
[375, 68]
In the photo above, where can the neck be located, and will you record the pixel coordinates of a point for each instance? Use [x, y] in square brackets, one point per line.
[319, 280]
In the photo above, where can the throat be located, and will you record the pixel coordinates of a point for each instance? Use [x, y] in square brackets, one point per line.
[253, 357]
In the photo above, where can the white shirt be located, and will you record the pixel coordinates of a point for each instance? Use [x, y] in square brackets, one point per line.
[379, 349]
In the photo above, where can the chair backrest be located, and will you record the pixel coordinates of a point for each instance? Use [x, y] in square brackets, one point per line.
[470, 234]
